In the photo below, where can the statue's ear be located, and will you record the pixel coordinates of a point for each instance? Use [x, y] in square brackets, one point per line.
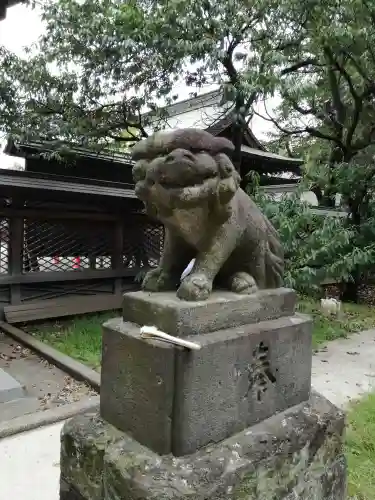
[139, 170]
[226, 169]
[229, 182]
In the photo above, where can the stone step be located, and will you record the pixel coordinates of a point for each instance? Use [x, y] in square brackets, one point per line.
[10, 388]
[18, 408]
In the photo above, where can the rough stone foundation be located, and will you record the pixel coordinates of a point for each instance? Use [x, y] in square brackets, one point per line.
[296, 454]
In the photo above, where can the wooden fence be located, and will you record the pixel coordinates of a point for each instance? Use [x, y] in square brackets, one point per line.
[55, 262]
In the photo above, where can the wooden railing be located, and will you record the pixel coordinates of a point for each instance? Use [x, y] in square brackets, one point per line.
[55, 263]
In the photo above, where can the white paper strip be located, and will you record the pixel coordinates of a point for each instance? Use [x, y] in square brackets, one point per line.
[151, 332]
[188, 270]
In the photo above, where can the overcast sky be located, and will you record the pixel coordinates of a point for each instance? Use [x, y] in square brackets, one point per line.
[21, 27]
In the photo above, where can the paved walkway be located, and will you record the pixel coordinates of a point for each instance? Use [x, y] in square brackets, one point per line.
[345, 369]
[30, 466]
[30, 462]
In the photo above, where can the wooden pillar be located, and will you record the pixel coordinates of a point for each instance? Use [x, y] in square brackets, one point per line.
[117, 253]
[15, 255]
[92, 261]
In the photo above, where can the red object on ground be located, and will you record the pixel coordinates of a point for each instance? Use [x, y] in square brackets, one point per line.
[76, 262]
[56, 259]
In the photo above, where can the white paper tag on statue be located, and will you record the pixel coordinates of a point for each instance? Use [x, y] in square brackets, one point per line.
[188, 270]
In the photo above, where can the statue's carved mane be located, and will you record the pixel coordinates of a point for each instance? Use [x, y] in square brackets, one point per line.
[177, 173]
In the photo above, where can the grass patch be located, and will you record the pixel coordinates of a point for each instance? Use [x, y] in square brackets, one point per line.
[353, 318]
[360, 449]
[79, 337]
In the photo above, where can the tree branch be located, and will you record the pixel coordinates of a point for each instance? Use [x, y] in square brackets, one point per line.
[278, 126]
[358, 67]
[297, 107]
[366, 141]
[287, 147]
[335, 90]
[227, 62]
[358, 104]
[306, 130]
[299, 65]
[119, 138]
[321, 135]
[348, 79]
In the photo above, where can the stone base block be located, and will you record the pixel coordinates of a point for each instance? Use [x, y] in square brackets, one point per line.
[176, 401]
[222, 310]
[295, 454]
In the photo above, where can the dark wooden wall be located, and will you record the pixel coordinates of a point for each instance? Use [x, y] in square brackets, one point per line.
[55, 262]
[84, 168]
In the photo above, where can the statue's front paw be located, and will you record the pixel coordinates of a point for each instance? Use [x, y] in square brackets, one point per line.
[242, 283]
[195, 287]
[142, 190]
[157, 280]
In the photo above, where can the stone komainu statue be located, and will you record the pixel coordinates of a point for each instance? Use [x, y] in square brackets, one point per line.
[187, 181]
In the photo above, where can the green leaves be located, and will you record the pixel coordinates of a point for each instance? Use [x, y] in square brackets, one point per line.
[328, 65]
[101, 65]
[319, 247]
[318, 57]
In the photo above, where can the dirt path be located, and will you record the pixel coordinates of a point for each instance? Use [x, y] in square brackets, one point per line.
[46, 385]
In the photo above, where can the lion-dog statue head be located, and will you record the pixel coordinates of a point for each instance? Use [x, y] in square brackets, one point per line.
[187, 181]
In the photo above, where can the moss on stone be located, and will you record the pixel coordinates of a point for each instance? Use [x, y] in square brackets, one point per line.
[298, 455]
[297, 474]
[84, 441]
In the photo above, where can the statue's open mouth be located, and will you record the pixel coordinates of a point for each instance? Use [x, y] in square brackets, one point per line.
[172, 185]
[176, 184]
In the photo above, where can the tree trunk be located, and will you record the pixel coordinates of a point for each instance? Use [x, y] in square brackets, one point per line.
[350, 293]
[238, 130]
[328, 200]
[237, 136]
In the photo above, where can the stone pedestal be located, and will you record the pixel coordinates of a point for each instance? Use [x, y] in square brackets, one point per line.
[293, 455]
[188, 399]
[232, 420]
